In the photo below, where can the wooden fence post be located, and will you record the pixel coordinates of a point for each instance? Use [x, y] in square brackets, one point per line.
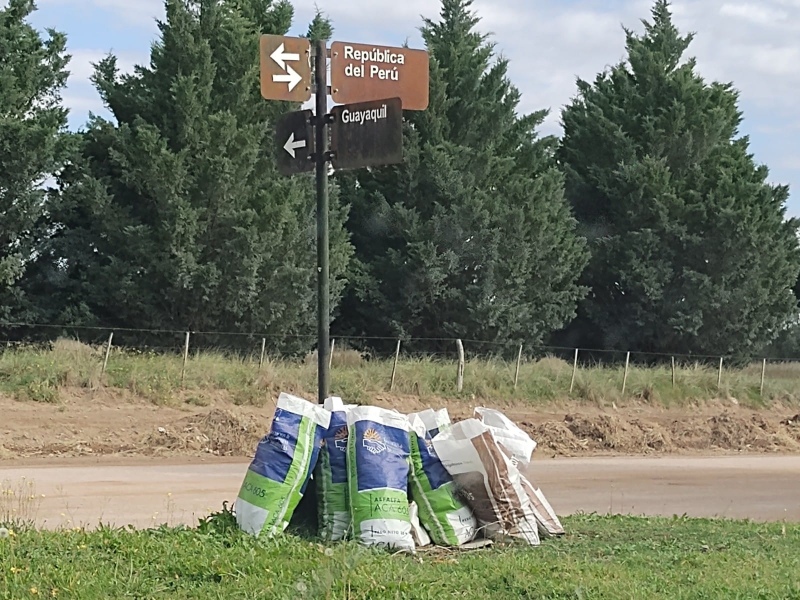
[519, 363]
[394, 366]
[263, 351]
[460, 376]
[673, 371]
[625, 378]
[185, 358]
[330, 358]
[763, 376]
[719, 376]
[108, 351]
[574, 371]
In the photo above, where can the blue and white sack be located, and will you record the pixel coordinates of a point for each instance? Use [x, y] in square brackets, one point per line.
[377, 466]
[331, 475]
[448, 519]
[278, 475]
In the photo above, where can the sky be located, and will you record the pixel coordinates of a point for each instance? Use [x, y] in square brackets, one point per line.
[755, 44]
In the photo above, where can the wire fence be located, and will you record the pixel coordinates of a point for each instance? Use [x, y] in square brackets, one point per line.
[190, 359]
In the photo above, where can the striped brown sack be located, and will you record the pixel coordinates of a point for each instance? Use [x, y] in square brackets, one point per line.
[487, 480]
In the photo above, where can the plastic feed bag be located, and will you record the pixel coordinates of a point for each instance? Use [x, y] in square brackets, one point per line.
[279, 472]
[546, 518]
[488, 480]
[449, 521]
[421, 537]
[433, 420]
[331, 475]
[377, 467]
[517, 444]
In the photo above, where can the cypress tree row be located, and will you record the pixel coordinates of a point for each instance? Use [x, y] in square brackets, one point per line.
[471, 237]
[691, 250]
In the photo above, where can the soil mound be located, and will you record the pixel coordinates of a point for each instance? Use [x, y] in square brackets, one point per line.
[729, 431]
[97, 423]
[218, 432]
[620, 435]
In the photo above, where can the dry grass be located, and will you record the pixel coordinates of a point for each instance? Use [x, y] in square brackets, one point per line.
[39, 374]
[19, 502]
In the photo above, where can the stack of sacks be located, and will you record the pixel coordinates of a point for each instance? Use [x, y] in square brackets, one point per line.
[519, 447]
[395, 481]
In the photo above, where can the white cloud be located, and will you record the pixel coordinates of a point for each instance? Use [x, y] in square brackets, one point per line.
[139, 12]
[755, 44]
[790, 162]
[81, 66]
[753, 13]
[400, 16]
[82, 102]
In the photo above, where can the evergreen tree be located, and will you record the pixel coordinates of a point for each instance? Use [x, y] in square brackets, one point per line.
[471, 237]
[691, 251]
[33, 139]
[174, 216]
[320, 28]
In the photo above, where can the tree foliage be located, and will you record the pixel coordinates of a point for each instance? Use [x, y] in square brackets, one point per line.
[471, 237]
[173, 215]
[33, 139]
[691, 251]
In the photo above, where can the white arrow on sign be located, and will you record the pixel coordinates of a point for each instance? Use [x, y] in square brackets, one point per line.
[292, 78]
[293, 145]
[281, 57]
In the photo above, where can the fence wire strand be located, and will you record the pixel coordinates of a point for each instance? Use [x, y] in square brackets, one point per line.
[567, 371]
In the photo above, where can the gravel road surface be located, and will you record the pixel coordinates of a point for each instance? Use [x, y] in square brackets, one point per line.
[147, 493]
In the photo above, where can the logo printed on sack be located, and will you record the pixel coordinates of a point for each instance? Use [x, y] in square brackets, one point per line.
[340, 439]
[278, 440]
[373, 442]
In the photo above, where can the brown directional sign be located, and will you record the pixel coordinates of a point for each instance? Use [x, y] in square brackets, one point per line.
[285, 68]
[360, 73]
[294, 143]
[367, 134]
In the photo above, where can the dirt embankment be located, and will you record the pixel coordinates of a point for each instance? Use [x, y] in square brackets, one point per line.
[114, 423]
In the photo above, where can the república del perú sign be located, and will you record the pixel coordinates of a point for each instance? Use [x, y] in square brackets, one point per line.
[376, 55]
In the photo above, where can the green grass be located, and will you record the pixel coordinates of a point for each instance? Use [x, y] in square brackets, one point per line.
[601, 557]
[39, 374]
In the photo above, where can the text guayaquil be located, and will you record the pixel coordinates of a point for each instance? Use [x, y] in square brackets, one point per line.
[375, 71]
[362, 117]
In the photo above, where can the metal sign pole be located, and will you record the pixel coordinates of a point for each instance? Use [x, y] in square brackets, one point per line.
[378, 83]
[323, 258]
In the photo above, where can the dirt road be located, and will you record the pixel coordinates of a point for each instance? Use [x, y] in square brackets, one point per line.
[150, 493]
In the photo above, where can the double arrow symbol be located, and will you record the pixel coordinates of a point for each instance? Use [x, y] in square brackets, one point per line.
[281, 57]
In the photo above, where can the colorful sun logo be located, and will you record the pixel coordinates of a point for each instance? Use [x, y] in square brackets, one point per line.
[340, 439]
[373, 442]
